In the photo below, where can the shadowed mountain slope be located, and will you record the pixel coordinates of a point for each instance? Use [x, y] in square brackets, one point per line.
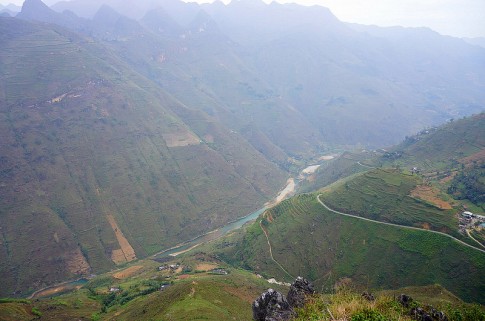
[99, 165]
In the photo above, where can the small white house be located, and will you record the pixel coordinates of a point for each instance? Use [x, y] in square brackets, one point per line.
[467, 214]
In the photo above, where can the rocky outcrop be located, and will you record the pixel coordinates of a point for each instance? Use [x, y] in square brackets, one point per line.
[405, 300]
[273, 306]
[419, 313]
[438, 315]
[298, 292]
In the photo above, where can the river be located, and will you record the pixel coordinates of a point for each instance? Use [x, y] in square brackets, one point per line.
[213, 235]
[287, 191]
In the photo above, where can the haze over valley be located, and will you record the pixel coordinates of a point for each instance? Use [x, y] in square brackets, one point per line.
[129, 129]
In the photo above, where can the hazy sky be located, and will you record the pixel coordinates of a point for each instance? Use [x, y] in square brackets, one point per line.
[462, 18]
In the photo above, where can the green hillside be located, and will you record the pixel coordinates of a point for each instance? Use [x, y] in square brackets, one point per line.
[195, 292]
[441, 148]
[469, 184]
[348, 304]
[436, 152]
[387, 195]
[99, 166]
[192, 292]
[308, 240]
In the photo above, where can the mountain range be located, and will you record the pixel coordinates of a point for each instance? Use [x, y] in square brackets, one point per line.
[129, 127]
[324, 75]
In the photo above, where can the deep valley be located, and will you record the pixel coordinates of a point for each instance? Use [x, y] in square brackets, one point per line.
[164, 160]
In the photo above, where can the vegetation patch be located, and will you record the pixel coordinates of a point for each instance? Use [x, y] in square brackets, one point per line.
[132, 270]
[347, 304]
[470, 184]
[431, 195]
[385, 195]
[205, 267]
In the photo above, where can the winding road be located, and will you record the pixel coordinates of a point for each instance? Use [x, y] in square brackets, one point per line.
[366, 166]
[468, 233]
[397, 225]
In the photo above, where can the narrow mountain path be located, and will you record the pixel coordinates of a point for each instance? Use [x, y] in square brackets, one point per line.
[271, 251]
[397, 225]
[468, 233]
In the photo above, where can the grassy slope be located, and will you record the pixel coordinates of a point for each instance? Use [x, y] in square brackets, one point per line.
[384, 195]
[199, 297]
[211, 298]
[443, 152]
[347, 304]
[310, 241]
[100, 150]
[442, 148]
[434, 151]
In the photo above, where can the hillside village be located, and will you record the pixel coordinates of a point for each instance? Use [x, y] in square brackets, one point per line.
[469, 221]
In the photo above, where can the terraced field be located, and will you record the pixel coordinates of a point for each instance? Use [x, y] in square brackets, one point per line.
[386, 195]
[309, 240]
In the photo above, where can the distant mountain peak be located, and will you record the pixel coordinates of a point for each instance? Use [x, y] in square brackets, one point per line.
[37, 10]
[106, 14]
[31, 5]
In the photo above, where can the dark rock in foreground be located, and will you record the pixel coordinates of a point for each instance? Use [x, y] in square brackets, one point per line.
[438, 315]
[420, 314]
[272, 306]
[405, 300]
[299, 291]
